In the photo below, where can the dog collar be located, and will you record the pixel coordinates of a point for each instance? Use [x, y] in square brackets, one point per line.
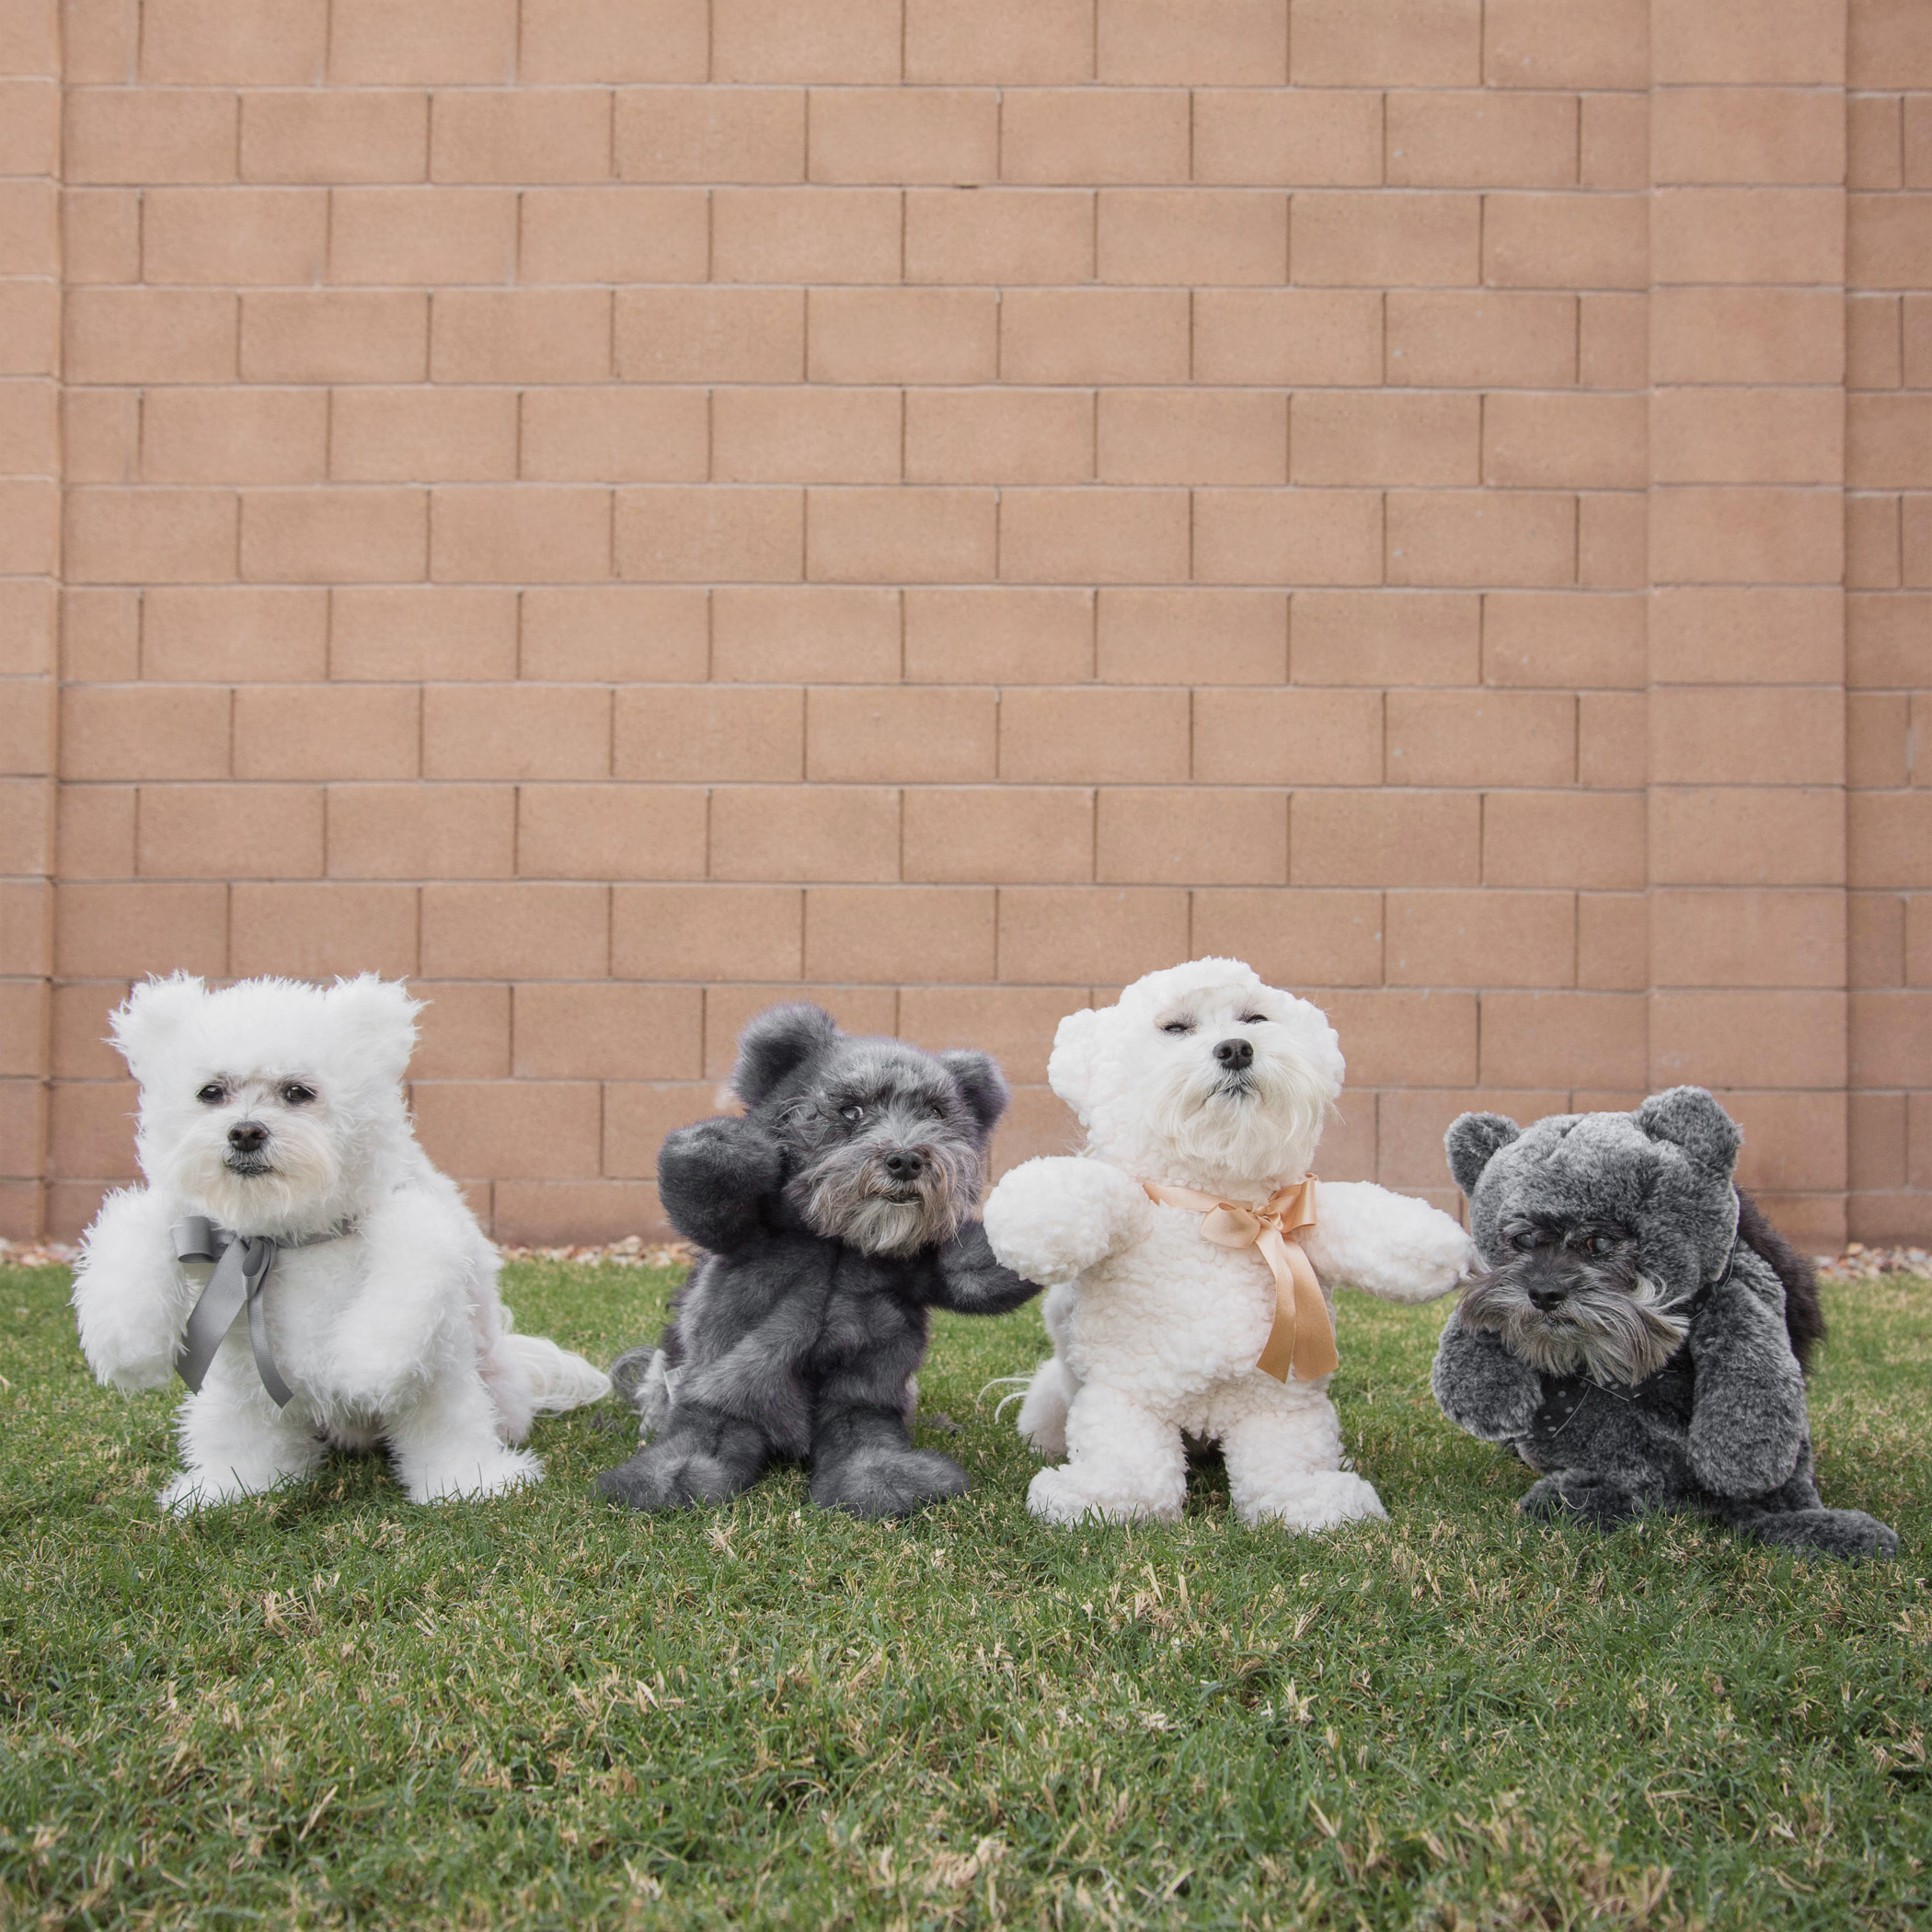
[242, 1265]
[1301, 1341]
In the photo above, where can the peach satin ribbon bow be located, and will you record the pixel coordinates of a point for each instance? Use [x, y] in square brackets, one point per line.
[1302, 1340]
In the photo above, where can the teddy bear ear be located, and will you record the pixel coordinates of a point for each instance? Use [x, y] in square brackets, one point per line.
[151, 1016]
[981, 1084]
[1473, 1140]
[1688, 1118]
[1070, 1066]
[776, 1045]
[379, 1017]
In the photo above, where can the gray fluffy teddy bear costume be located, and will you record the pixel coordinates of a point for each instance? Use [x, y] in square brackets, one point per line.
[1641, 1334]
[835, 1214]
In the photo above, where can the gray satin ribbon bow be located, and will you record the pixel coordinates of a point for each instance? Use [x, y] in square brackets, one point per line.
[242, 1265]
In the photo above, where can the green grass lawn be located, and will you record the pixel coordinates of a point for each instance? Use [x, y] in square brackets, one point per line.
[328, 1708]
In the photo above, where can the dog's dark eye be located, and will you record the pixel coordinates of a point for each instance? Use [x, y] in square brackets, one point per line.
[852, 1112]
[297, 1095]
[1254, 1019]
[1525, 1237]
[212, 1095]
[1178, 1026]
[1600, 1243]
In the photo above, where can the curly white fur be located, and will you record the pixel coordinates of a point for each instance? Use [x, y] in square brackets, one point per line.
[1156, 1331]
[394, 1333]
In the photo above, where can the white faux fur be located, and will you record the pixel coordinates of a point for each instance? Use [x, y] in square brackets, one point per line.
[1155, 1330]
[394, 1333]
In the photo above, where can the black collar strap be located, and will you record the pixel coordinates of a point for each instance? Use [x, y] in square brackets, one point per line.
[242, 1265]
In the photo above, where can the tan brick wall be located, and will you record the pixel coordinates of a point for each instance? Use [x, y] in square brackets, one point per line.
[1888, 474]
[29, 568]
[621, 510]
[1746, 701]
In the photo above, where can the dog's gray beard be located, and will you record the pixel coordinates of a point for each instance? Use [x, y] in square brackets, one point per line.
[1612, 1332]
[846, 1196]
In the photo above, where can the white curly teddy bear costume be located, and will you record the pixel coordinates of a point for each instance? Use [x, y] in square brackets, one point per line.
[1209, 1088]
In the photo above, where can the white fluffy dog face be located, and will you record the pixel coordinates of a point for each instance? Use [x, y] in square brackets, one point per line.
[268, 1104]
[1203, 1074]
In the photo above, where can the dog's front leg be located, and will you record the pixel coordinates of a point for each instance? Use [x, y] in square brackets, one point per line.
[1392, 1245]
[732, 1411]
[1049, 1221]
[131, 1298]
[700, 1455]
[1282, 1444]
[1125, 1464]
[1049, 1390]
[443, 1442]
[235, 1441]
[863, 1462]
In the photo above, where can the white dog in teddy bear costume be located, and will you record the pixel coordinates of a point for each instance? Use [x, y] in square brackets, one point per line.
[1177, 1254]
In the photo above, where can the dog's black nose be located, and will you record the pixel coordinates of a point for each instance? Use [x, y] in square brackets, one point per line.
[246, 1136]
[1546, 1298]
[1235, 1055]
[905, 1164]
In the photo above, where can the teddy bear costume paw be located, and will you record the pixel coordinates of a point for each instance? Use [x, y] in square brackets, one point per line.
[1074, 1492]
[1322, 1498]
[1849, 1534]
[668, 1477]
[468, 1479]
[1573, 1493]
[882, 1482]
[200, 1490]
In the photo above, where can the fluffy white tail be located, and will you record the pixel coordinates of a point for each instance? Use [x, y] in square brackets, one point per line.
[529, 1375]
[558, 1380]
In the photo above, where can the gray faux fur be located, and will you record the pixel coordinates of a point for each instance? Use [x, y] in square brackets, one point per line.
[835, 1214]
[1639, 1337]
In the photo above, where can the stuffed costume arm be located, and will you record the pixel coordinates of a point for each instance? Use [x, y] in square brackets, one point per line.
[1747, 1428]
[131, 1297]
[1481, 1386]
[1392, 1245]
[715, 1178]
[969, 1279]
[411, 1313]
[1052, 1219]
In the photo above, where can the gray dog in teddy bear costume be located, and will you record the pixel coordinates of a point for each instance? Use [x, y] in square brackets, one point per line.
[1640, 1335]
[836, 1213]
